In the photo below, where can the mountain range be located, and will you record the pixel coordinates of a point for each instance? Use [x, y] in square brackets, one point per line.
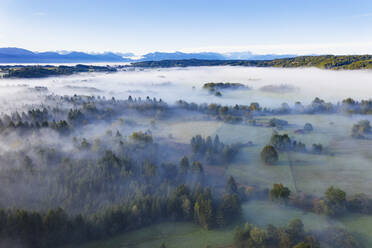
[19, 55]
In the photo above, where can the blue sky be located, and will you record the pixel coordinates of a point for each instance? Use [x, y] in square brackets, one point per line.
[140, 26]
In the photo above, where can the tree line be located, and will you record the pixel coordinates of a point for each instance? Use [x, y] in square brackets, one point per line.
[347, 62]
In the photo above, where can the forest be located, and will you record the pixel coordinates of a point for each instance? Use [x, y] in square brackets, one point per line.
[347, 62]
[83, 169]
[101, 187]
[185, 124]
[21, 71]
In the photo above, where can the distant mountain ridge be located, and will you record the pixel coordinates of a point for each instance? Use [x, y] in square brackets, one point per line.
[20, 55]
[158, 56]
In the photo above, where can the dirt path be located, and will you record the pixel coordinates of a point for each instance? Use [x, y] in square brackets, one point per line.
[292, 171]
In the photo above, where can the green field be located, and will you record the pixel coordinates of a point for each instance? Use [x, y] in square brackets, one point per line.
[361, 226]
[183, 131]
[347, 165]
[173, 235]
[184, 235]
[261, 213]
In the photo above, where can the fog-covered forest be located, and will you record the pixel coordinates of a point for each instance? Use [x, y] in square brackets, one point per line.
[249, 157]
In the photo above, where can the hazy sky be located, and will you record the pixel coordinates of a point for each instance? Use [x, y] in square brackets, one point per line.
[139, 26]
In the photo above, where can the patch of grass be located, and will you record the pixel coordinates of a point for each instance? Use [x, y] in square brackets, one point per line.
[263, 213]
[185, 130]
[361, 226]
[174, 235]
[346, 164]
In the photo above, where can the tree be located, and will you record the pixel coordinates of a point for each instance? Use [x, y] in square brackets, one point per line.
[204, 212]
[360, 203]
[308, 127]
[230, 208]
[216, 143]
[214, 152]
[296, 227]
[274, 122]
[197, 167]
[303, 245]
[255, 106]
[142, 137]
[334, 202]
[198, 144]
[186, 208]
[258, 236]
[279, 192]
[360, 129]
[184, 165]
[317, 148]
[29, 164]
[85, 145]
[296, 230]
[231, 187]
[284, 237]
[281, 142]
[118, 134]
[269, 155]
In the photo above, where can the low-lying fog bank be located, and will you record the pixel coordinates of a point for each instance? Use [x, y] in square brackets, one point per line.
[268, 86]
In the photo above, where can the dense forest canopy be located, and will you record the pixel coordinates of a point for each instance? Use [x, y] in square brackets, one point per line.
[49, 70]
[347, 62]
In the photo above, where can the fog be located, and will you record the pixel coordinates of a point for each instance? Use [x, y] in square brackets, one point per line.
[269, 87]
[177, 83]
[79, 142]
